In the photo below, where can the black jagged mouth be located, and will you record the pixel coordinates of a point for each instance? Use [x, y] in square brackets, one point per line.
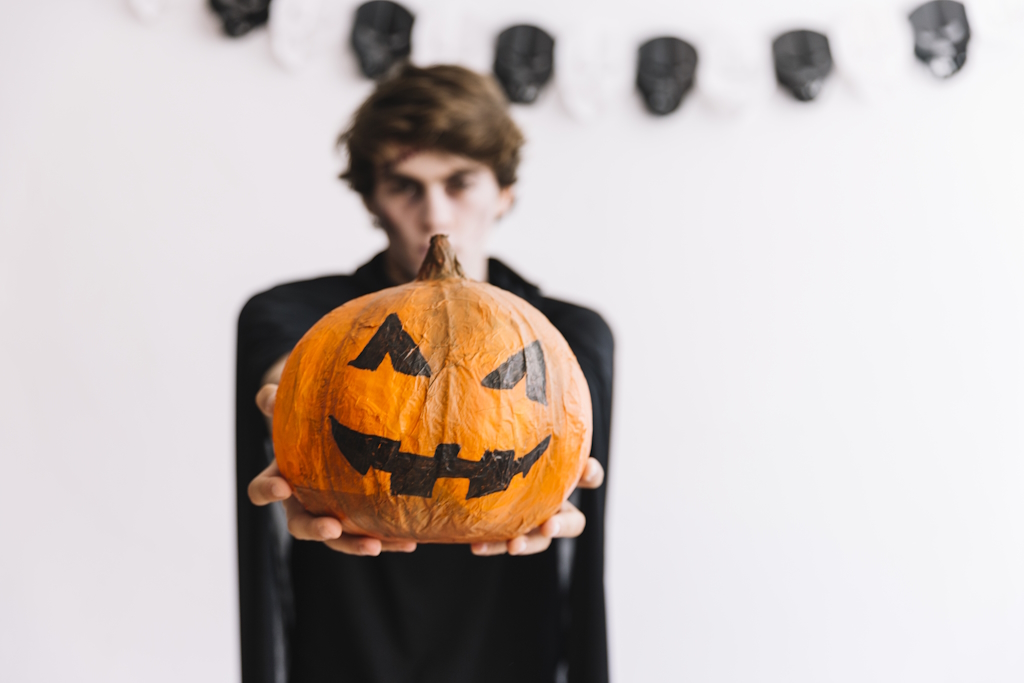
[415, 475]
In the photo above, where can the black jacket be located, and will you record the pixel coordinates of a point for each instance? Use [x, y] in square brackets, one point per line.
[439, 613]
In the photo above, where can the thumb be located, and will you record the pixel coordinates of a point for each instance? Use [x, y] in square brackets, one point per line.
[265, 399]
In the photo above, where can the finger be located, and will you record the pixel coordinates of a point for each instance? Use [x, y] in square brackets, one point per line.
[269, 486]
[531, 543]
[265, 399]
[489, 549]
[306, 527]
[593, 475]
[568, 522]
[355, 545]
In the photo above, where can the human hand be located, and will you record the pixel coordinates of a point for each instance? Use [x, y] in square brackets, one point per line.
[568, 522]
[270, 487]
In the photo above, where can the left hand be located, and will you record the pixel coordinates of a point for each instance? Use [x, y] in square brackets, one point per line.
[568, 522]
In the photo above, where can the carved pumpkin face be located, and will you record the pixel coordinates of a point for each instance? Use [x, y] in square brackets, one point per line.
[444, 410]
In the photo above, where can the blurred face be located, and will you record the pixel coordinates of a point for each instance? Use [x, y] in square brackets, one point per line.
[421, 193]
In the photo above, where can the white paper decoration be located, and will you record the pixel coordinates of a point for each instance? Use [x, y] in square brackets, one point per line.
[735, 73]
[293, 29]
[586, 72]
[147, 10]
[872, 44]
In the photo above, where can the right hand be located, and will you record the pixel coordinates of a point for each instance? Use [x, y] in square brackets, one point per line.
[270, 487]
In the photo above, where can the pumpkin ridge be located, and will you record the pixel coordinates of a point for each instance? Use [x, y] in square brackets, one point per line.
[448, 324]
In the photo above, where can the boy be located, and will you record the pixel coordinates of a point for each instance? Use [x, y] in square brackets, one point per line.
[432, 151]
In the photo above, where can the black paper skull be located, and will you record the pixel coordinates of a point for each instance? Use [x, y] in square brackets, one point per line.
[523, 61]
[802, 62]
[241, 16]
[941, 33]
[665, 73]
[381, 36]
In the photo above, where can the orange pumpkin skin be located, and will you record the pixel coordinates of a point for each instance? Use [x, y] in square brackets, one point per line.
[449, 402]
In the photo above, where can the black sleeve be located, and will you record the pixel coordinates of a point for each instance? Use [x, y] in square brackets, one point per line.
[269, 326]
[591, 340]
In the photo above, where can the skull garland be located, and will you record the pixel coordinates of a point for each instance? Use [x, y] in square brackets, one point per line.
[381, 36]
[802, 62]
[665, 73]
[444, 410]
[524, 61]
[941, 33]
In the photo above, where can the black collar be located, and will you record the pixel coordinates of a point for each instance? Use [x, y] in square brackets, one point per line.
[500, 275]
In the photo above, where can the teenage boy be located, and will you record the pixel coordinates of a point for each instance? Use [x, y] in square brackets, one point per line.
[431, 151]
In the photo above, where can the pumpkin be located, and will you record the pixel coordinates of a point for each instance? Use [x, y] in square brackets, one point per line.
[443, 410]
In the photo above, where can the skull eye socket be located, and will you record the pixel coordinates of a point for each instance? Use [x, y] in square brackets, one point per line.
[391, 339]
[528, 363]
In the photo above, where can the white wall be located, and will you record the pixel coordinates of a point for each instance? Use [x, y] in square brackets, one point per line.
[817, 470]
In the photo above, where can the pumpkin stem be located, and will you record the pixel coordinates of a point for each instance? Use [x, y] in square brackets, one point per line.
[440, 261]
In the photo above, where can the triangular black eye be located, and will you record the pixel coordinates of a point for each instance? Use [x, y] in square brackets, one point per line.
[391, 340]
[529, 363]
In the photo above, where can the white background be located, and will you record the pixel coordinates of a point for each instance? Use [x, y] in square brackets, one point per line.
[817, 468]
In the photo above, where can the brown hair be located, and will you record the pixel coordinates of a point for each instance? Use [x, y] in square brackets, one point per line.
[441, 107]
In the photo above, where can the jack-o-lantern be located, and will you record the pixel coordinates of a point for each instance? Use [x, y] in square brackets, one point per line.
[444, 410]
